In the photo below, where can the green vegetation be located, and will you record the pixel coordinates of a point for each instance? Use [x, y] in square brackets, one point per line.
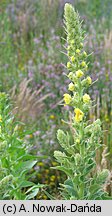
[33, 80]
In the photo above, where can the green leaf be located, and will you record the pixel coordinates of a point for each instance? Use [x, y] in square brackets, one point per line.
[89, 167]
[94, 188]
[64, 169]
[26, 157]
[35, 186]
[32, 194]
[26, 184]
[34, 191]
[70, 188]
[97, 196]
[102, 176]
[27, 165]
[49, 195]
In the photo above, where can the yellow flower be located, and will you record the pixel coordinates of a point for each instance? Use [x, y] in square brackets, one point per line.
[44, 197]
[52, 178]
[68, 65]
[78, 115]
[40, 164]
[0, 118]
[72, 58]
[71, 87]
[89, 80]
[86, 98]
[79, 73]
[52, 117]
[78, 51]
[67, 98]
[83, 64]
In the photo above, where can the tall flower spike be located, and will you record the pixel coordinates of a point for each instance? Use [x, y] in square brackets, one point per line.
[78, 160]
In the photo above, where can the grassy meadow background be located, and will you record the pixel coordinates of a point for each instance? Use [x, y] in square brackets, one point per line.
[33, 75]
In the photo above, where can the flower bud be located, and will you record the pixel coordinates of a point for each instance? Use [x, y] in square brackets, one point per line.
[62, 138]
[79, 73]
[68, 65]
[77, 141]
[70, 75]
[81, 45]
[84, 54]
[72, 42]
[83, 64]
[60, 156]
[78, 51]
[71, 87]
[73, 59]
[89, 80]
[86, 98]
[97, 122]
[67, 98]
[103, 176]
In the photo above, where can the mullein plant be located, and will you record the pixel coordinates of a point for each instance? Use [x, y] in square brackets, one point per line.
[78, 157]
[16, 162]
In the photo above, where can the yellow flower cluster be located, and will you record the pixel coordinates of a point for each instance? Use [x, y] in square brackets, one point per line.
[77, 67]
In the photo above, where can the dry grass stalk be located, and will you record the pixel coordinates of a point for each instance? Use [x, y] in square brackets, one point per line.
[28, 104]
[108, 185]
[108, 41]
